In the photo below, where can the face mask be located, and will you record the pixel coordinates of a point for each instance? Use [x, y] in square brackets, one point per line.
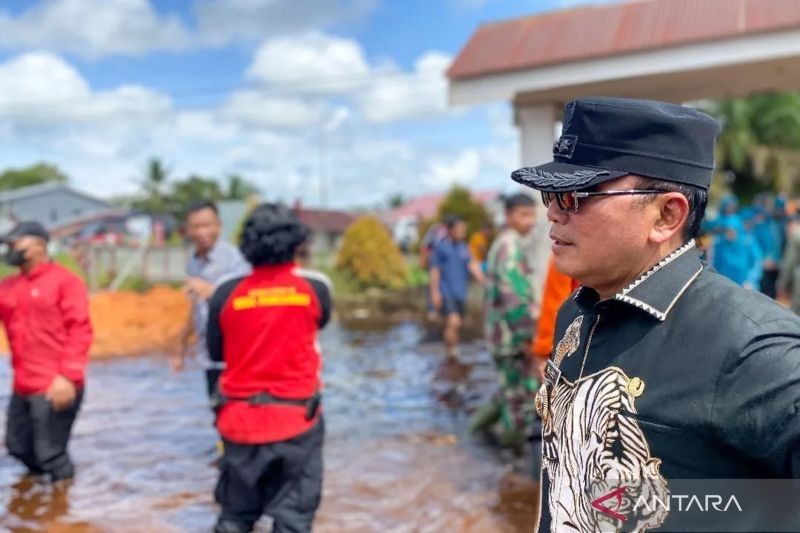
[15, 257]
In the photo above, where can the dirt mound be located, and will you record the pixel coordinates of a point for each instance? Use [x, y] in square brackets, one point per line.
[130, 323]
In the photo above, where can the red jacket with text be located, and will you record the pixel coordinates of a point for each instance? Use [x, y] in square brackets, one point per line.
[264, 327]
[46, 316]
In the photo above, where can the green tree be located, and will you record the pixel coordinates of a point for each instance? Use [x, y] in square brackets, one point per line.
[759, 140]
[239, 188]
[459, 202]
[396, 200]
[16, 178]
[156, 177]
[184, 192]
[154, 183]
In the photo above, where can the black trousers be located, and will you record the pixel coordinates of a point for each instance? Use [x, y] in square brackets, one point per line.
[212, 377]
[38, 435]
[769, 280]
[281, 479]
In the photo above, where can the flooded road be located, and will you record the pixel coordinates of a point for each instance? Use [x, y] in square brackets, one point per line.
[397, 454]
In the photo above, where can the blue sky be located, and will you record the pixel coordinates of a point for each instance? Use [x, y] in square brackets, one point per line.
[265, 88]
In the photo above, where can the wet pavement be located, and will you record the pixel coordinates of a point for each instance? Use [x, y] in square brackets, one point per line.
[397, 454]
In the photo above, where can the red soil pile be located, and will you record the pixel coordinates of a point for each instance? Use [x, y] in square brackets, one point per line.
[130, 323]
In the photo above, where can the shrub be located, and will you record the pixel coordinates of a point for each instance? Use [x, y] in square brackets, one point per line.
[369, 255]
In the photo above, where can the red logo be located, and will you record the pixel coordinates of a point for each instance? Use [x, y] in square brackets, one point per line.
[617, 493]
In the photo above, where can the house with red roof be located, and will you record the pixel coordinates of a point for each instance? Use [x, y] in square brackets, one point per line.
[405, 220]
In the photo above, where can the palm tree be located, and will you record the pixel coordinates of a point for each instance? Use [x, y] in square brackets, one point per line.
[760, 135]
[737, 136]
[156, 176]
[155, 179]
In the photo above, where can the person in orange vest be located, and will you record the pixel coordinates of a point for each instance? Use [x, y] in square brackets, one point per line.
[479, 243]
[557, 288]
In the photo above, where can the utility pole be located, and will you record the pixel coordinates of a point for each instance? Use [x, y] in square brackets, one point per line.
[323, 169]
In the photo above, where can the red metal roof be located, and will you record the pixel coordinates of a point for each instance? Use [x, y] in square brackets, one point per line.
[615, 29]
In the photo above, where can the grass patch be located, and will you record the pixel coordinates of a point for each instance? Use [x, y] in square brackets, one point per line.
[343, 283]
[416, 276]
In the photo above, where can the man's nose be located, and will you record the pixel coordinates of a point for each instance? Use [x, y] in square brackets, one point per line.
[555, 214]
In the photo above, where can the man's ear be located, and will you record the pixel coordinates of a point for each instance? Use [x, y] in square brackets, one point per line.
[673, 210]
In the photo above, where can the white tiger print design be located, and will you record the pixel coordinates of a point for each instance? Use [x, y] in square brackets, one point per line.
[588, 445]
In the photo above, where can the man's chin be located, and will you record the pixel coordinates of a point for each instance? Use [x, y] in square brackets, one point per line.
[564, 265]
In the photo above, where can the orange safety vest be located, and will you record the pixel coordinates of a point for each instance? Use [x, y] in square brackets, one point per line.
[557, 288]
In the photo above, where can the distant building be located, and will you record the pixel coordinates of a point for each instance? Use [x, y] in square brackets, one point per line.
[327, 227]
[51, 204]
[405, 220]
[119, 226]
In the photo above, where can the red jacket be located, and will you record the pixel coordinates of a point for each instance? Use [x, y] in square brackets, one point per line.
[264, 327]
[46, 316]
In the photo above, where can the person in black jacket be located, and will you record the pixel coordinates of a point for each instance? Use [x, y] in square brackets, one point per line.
[663, 370]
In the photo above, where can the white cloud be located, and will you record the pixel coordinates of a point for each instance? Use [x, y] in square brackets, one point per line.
[204, 126]
[39, 77]
[93, 29]
[318, 63]
[102, 28]
[221, 21]
[41, 88]
[257, 109]
[500, 117]
[397, 96]
[312, 62]
[500, 159]
[101, 138]
[462, 169]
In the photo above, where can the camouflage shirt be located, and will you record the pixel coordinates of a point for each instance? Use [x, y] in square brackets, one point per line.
[509, 296]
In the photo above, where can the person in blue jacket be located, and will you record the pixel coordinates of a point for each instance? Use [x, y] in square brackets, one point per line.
[736, 252]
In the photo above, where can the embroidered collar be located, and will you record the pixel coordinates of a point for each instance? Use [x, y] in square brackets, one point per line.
[657, 291]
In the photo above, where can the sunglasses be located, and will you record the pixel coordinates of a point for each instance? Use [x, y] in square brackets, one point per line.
[568, 201]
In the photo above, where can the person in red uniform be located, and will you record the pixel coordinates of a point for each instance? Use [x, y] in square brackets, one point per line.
[264, 327]
[45, 312]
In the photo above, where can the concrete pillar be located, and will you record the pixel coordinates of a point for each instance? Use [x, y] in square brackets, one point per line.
[537, 128]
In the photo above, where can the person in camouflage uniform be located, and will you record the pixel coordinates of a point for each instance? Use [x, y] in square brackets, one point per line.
[510, 326]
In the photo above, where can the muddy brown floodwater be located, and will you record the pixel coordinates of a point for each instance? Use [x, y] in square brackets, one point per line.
[397, 454]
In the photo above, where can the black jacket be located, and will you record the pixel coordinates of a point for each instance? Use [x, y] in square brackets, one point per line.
[682, 375]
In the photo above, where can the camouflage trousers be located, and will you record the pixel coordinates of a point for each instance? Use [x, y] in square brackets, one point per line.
[515, 396]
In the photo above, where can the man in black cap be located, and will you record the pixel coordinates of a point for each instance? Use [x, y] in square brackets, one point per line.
[663, 370]
[45, 312]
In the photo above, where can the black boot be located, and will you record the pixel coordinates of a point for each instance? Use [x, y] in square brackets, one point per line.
[231, 526]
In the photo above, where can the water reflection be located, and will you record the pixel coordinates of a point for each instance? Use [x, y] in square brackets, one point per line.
[397, 457]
